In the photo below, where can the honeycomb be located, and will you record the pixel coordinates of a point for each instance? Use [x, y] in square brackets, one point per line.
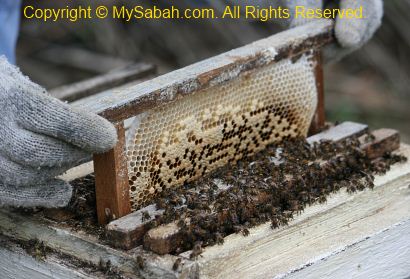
[186, 139]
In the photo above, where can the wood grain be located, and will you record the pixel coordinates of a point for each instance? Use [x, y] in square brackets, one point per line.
[16, 263]
[164, 239]
[127, 232]
[385, 140]
[340, 132]
[111, 181]
[319, 119]
[85, 248]
[384, 254]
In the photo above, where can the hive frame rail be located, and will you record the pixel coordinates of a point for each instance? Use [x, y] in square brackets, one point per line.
[118, 105]
[118, 77]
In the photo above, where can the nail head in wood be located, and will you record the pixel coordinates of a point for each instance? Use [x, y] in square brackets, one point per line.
[111, 181]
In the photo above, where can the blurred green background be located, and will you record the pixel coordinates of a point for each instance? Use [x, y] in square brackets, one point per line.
[369, 86]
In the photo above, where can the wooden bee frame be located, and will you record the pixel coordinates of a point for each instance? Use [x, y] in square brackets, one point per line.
[112, 190]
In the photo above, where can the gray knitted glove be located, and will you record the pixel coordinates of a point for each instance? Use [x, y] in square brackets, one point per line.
[40, 138]
[351, 34]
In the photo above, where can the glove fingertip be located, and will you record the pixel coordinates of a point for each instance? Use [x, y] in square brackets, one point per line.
[57, 193]
[90, 132]
[51, 194]
[63, 197]
[347, 36]
[105, 135]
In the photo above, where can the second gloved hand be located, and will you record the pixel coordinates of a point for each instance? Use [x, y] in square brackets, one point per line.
[351, 34]
[40, 138]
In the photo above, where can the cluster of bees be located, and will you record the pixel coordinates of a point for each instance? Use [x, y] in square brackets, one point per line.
[260, 190]
[269, 186]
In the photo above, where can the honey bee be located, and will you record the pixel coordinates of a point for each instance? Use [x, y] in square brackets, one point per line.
[196, 251]
[145, 216]
[245, 232]
[176, 264]
[219, 239]
[140, 262]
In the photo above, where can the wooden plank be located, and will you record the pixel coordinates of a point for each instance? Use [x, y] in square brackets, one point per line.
[127, 232]
[319, 119]
[166, 238]
[120, 105]
[78, 172]
[138, 72]
[16, 263]
[385, 254]
[22, 266]
[111, 181]
[88, 249]
[384, 140]
[340, 132]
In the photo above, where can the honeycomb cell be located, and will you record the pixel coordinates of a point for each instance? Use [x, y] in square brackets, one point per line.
[186, 139]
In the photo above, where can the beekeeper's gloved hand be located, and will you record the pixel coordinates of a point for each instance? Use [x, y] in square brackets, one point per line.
[40, 138]
[351, 34]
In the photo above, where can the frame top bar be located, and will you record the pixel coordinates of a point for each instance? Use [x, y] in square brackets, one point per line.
[118, 105]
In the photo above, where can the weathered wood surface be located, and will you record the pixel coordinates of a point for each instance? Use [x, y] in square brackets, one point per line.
[340, 132]
[319, 119]
[385, 139]
[78, 171]
[128, 231]
[319, 232]
[15, 263]
[164, 239]
[132, 73]
[122, 104]
[111, 181]
[87, 248]
[385, 254]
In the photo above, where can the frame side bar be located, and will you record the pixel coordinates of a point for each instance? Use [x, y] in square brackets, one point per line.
[111, 181]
